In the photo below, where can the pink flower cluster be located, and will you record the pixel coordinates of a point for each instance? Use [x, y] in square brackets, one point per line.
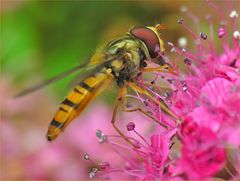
[203, 139]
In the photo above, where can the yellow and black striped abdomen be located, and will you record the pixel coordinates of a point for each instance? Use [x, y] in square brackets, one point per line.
[77, 100]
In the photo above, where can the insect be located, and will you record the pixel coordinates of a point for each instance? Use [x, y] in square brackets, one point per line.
[120, 61]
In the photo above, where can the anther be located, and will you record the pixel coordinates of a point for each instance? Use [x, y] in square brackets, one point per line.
[170, 44]
[98, 133]
[136, 144]
[130, 126]
[94, 170]
[236, 34]
[173, 50]
[86, 157]
[102, 139]
[221, 32]
[101, 136]
[187, 61]
[180, 21]
[91, 175]
[203, 36]
[233, 14]
[184, 87]
[183, 50]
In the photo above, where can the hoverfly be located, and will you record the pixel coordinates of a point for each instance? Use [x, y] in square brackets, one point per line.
[120, 61]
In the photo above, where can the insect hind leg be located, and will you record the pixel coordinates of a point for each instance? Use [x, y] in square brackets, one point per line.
[120, 98]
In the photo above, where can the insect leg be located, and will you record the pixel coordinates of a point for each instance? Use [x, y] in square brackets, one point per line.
[145, 92]
[163, 68]
[145, 113]
[138, 109]
[121, 96]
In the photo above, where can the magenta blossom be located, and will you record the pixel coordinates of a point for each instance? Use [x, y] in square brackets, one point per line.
[198, 110]
[145, 161]
[202, 155]
[220, 103]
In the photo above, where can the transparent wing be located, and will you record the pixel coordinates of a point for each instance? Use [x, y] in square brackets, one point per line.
[94, 67]
[88, 66]
[81, 76]
[49, 81]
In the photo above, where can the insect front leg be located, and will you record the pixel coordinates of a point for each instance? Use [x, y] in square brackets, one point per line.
[145, 113]
[138, 89]
[124, 109]
[163, 68]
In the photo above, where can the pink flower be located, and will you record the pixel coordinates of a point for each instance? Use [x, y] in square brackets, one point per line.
[202, 155]
[203, 109]
[145, 161]
[196, 109]
[219, 110]
[25, 150]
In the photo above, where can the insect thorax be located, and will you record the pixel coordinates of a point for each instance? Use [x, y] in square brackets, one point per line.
[130, 57]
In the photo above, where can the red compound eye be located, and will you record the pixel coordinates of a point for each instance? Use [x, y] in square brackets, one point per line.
[150, 39]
